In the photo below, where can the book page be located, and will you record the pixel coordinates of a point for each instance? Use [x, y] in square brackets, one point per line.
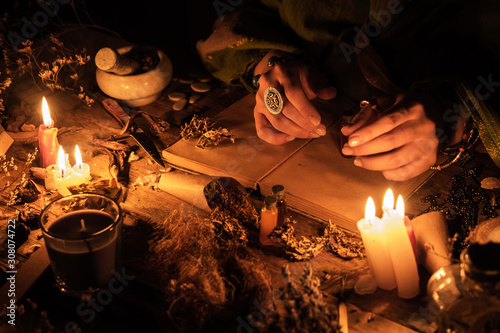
[249, 158]
[318, 181]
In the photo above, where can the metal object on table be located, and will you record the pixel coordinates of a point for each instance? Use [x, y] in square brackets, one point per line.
[145, 139]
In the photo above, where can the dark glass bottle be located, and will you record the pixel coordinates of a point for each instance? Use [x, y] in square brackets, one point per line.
[279, 193]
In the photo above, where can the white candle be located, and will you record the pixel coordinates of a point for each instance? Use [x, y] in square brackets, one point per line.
[62, 177]
[377, 253]
[400, 250]
[80, 173]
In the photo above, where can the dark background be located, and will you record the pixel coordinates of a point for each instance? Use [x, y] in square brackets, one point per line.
[173, 26]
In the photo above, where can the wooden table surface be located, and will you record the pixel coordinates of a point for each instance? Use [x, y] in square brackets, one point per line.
[142, 307]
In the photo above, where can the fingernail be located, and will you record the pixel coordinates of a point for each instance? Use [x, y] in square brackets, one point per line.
[320, 131]
[290, 138]
[315, 120]
[314, 135]
[354, 141]
[357, 162]
[347, 150]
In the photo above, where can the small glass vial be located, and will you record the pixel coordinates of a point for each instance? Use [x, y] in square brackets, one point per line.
[465, 297]
[268, 219]
[279, 193]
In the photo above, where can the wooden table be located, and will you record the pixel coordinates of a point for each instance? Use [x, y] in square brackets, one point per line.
[141, 306]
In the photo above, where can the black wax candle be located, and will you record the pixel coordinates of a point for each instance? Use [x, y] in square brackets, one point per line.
[86, 258]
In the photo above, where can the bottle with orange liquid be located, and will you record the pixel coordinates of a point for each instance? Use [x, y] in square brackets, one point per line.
[268, 219]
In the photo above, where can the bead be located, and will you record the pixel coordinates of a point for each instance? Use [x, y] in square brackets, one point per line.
[272, 61]
[255, 81]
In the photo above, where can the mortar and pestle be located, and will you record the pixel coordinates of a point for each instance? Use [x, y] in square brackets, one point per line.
[120, 76]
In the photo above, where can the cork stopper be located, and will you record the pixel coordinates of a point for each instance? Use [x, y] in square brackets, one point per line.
[270, 201]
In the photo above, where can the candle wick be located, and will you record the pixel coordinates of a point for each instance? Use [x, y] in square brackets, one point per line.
[82, 222]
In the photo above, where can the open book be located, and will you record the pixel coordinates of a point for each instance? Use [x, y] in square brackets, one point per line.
[318, 181]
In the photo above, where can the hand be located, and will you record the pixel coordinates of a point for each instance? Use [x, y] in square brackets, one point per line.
[298, 84]
[400, 140]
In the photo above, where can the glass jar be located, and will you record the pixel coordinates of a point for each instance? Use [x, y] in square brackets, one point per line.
[465, 297]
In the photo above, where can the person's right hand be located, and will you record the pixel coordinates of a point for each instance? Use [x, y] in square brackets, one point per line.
[298, 84]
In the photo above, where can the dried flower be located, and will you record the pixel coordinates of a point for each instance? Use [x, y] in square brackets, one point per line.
[202, 127]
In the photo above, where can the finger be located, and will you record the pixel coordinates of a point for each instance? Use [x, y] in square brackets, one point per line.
[400, 136]
[283, 123]
[266, 132]
[382, 125]
[401, 156]
[296, 95]
[364, 116]
[408, 171]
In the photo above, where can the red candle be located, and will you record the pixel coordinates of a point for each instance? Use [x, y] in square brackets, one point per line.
[47, 138]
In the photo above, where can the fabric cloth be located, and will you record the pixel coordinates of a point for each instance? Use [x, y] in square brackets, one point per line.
[366, 47]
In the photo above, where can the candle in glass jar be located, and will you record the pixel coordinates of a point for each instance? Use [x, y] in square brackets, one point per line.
[374, 239]
[47, 138]
[82, 263]
[80, 173]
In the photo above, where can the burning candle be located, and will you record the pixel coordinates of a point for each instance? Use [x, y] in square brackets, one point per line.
[47, 138]
[400, 249]
[62, 176]
[80, 172]
[377, 253]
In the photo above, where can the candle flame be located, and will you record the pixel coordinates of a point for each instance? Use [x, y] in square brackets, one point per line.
[369, 209]
[61, 161]
[78, 158]
[388, 200]
[400, 206]
[47, 121]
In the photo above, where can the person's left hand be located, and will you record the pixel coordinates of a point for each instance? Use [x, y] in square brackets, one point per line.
[397, 137]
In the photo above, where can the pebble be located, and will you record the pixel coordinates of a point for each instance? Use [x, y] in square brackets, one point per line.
[180, 104]
[205, 79]
[175, 96]
[200, 87]
[187, 80]
[194, 98]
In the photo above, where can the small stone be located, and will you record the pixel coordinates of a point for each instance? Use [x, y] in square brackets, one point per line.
[194, 98]
[200, 87]
[186, 80]
[205, 79]
[175, 96]
[365, 285]
[180, 104]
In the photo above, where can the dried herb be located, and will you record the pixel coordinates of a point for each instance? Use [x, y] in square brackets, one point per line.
[205, 265]
[203, 127]
[196, 127]
[303, 249]
[343, 244]
[305, 309]
[59, 72]
[230, 197]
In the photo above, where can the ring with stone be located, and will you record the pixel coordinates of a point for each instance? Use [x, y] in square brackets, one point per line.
[273, 100]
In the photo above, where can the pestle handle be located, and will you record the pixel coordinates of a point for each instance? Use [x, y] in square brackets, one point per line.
[109, 60]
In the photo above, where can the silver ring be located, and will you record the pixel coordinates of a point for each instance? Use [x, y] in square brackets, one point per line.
[273, 100]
